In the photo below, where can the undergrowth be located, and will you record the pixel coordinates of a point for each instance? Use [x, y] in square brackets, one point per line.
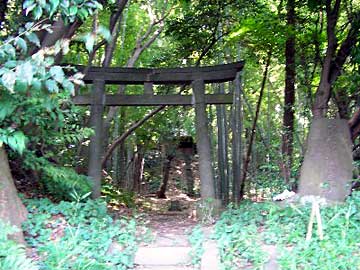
[243, 232]
[196, 239]
[79, 235]
[12, 255]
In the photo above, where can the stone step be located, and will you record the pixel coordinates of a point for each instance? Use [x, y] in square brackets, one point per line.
[210, 259]
[163, 256]
[164, 267]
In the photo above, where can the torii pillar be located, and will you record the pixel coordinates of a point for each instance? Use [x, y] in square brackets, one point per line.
[207, 184]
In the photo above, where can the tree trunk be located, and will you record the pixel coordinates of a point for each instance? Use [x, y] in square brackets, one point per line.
[138, 169]
[188, 172]
[289, 99]
[166, 174]
[253, 128]
[12, 210]
[327, 166]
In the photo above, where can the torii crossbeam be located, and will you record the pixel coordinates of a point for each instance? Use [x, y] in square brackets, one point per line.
[196, 76]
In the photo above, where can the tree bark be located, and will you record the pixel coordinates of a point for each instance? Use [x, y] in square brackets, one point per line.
[323, 92]
[166, 173]
[289, 97]
[126, 134]
[12, 210]
[253, 128]
[138, 168]
[327, 166]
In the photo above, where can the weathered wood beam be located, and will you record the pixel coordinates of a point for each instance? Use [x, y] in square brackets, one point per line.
[96, 141]
[207, 185]
[154, 100]
[211, 74]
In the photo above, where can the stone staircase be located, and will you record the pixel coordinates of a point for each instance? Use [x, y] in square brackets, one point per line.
[172, 252]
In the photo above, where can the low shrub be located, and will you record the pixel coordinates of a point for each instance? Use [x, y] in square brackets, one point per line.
[12, 255]
[79, 235]
[243, 232]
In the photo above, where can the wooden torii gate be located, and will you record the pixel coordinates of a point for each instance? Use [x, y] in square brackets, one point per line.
[197, 77]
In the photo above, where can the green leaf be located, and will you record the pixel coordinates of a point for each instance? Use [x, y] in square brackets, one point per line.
[52, 86]
[6, 109]
[36, 85]
[73, 10]
[28, 3]
[83, 13]
[69, 86]
[53, 6]
[57, 73]
[37, 13]
[8, 80]
[25, 72]
[17, 141]
[89, 42]
[105, 33]
[21, 44]
[33, 38]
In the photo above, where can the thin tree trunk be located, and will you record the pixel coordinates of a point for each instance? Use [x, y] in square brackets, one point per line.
[138, 168]
[253, 128]
[126, 134]
[166, 173]
[289, 99]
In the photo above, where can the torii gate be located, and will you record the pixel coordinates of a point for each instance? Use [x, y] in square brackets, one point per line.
[197, 77]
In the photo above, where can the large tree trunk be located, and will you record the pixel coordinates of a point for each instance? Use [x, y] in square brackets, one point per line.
[289, 99]
[12, 210]
[327, 167]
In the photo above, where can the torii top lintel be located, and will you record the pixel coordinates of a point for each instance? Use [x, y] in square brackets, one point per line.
[186, 75]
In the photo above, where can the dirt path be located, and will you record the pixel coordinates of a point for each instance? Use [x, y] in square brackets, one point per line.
[170, 221]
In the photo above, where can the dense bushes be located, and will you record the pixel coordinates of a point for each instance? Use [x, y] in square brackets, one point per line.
[242, 234]
[79, 235]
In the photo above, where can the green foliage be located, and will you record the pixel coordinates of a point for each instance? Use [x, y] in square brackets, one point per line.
[69, 10]
[60, 182]
[12, 255]
[63, 183]
[79, 235]
[196, 239]
[242, 232]
[206, 210]
[116, 195]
